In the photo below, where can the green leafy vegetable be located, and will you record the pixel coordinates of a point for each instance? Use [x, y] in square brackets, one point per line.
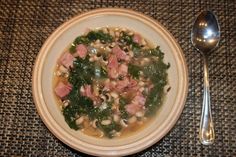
[77, 41]
[103, 37]
[108, 129]
[154, 52]
[134, 70]
[123, 112]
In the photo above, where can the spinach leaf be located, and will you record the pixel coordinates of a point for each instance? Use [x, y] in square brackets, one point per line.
[107, 129]
[123, 102]
[82, 72]
[78, 105]
[134, 70]
[158, 75]
[103, 37]
[154, 52]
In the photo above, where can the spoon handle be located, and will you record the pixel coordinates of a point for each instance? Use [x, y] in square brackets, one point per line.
[206, 133]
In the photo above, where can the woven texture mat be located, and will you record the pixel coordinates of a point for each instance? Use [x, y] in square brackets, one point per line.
[24, 27]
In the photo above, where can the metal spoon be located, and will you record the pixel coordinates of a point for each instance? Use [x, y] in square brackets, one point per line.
[205, 37]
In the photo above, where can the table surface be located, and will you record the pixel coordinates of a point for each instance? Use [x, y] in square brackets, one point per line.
[24, 27]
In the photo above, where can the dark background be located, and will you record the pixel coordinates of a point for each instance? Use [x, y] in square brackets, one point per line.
[24, 27]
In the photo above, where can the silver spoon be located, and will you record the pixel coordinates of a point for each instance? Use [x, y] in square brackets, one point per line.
[205, 37]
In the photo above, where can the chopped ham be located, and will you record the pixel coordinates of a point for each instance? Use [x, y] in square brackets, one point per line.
[139, 99]
[123, 69]
[133, 108]
[133, 86]
[133, 82]
[120, 54]
[112, 62]
[81, 51]
[62, 89]
[137, 38]
[112, 73]
[122, 84]
[86, 91]
[109, 85]
[136, 104]
[67, 60]
[112, 67]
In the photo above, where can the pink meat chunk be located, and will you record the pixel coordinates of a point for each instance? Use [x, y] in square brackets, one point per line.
[81, 51]
[67, 60]
[137, 38]
[133, 108]
[112, 67]
[136, 105]
[62, 89]
[112, 73]
[133, 83]
[139, 99]
[122, 84]
[86, 91]
[120, 54]
[123, 69]
[112, 62]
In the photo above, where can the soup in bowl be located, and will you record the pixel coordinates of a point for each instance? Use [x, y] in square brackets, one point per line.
[110, 87]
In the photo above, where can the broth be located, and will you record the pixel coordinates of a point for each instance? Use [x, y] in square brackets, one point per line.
[110, 83]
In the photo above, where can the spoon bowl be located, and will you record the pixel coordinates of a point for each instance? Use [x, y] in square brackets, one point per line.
[205, 37]
[205, 34]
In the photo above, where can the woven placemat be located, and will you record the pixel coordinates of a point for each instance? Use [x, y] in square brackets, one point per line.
[25, 25]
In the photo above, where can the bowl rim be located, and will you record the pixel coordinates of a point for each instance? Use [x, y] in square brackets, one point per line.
[123, 151]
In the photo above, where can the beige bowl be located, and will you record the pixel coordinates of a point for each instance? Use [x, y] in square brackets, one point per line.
[168, 114]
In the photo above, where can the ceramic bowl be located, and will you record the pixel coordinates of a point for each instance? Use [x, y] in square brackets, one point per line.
[54, 46]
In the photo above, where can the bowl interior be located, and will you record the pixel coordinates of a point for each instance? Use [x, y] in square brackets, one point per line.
[64, 35]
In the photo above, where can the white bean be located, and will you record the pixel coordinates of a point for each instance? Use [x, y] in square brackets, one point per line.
[58, 73]
[105, 30]
[113, 83]
[143, 42]
[65, 103]
[108, 49]
[122, 122]
[103, 106]
[139, 114]
[117, 134]
[112, 33]
[132, 119]
[82, 90]
[114, 95]
[94, 123]
[131, 53]
[141, 89]
[106, 122]
[63, 69]
[79, 120]
[116, 101]
[102, 133]
[141, 83]
[117, 34]
[146, 59]
[113, 44]
[116, 118]
[123, 29]
[97, 41]
[91, 59]
[131, 33]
